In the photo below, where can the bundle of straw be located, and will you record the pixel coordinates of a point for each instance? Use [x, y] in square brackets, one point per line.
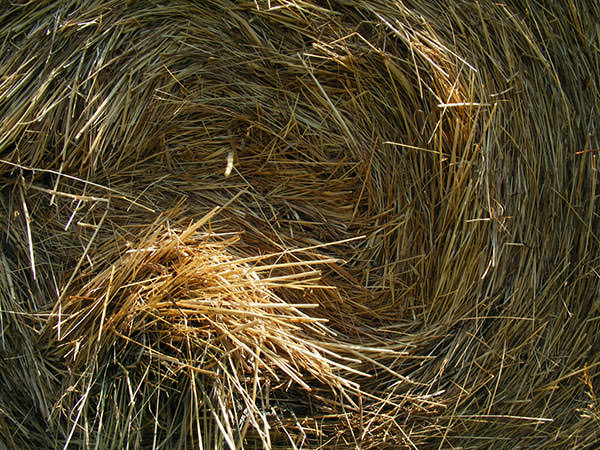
[299, 224]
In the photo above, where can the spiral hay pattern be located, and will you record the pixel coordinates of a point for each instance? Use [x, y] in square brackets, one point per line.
[299, 224]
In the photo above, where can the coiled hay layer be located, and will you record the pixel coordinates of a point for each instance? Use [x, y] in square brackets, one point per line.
[299, 224]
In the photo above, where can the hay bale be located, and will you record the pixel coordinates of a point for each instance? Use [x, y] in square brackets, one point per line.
[299, 225]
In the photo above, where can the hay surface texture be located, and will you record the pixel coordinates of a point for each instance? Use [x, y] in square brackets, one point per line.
[299, 224]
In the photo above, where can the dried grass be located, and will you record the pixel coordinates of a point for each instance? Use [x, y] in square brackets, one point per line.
[299, 224]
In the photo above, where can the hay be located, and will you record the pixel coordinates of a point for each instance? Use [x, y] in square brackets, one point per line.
[299, 225]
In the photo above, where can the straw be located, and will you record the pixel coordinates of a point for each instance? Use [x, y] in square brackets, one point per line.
[298, 224]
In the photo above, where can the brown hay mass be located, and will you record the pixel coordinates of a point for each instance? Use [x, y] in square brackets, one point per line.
[299, 224]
